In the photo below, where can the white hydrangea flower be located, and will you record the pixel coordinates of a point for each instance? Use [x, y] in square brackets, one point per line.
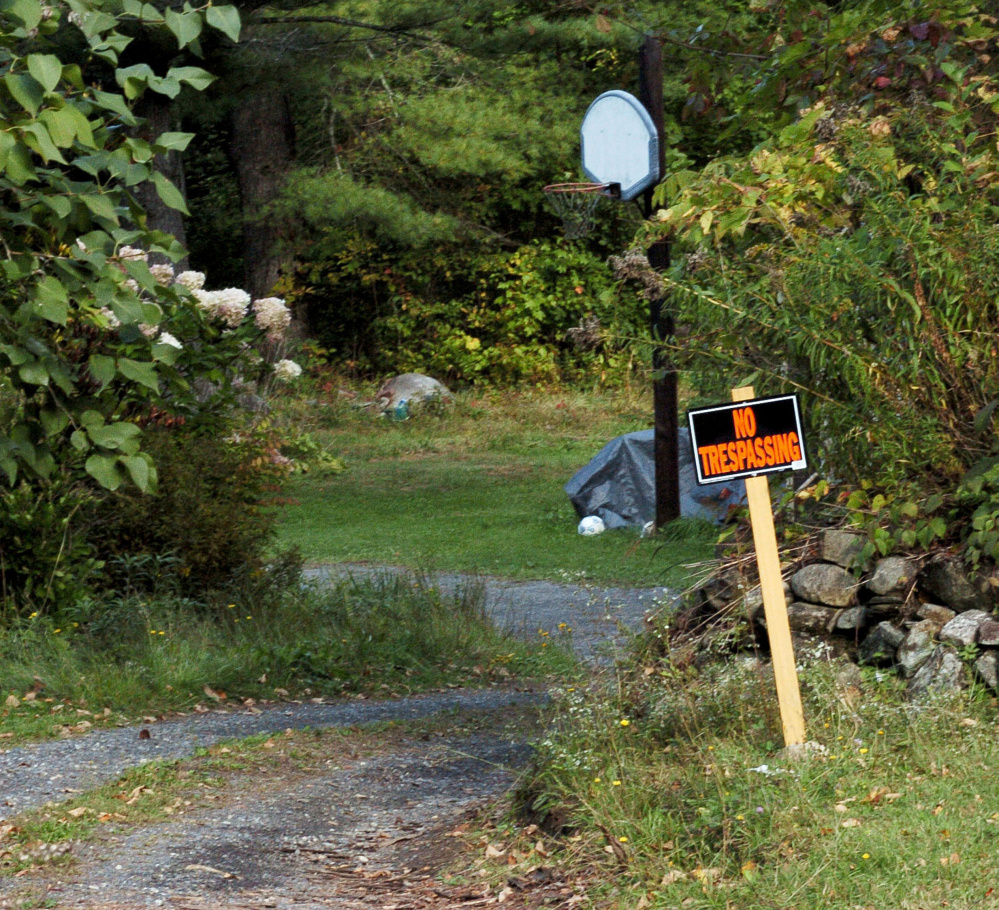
[162, 272]
[167, 338]
[113, 321]
[133, 285]
[203, 299]
[272, 316]
[193, 281]
[131, 253]
[287, 370]
[148, 330]
[230, 305]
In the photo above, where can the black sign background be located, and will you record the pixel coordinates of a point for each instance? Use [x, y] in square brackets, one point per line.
[715, 425]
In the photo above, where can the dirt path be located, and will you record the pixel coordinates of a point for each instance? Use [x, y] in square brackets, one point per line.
[364, 822]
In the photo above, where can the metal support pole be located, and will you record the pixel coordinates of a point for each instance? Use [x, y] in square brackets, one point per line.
[664, 387]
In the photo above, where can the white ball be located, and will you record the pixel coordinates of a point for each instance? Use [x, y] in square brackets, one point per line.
[591, 526]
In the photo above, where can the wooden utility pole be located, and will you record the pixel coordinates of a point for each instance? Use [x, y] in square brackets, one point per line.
[664, 385]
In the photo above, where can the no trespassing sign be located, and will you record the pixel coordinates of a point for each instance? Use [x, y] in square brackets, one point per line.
[746, 438]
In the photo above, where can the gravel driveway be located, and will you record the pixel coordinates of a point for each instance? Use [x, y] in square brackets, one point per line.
[253, 848]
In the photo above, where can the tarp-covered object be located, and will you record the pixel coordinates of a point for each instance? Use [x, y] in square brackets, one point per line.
[619, 484]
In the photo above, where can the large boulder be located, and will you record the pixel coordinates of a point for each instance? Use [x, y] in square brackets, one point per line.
[918, 647]
[962, 630]
[821, 583]
[412, 388]
[892, 577]
[946, 581]
[942, 672]
[881, 645]
[842, 547]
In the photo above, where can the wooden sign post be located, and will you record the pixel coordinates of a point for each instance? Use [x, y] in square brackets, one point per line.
[774, 603]
[760, 438]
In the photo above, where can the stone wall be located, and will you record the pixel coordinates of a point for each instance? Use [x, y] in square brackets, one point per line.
[927, 617]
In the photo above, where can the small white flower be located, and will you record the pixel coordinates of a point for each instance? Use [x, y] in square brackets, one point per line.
[286, 370]
[131, 253]
[108, 314]
[167, 338]
[193, 281]
[133, 285]
[148, 330]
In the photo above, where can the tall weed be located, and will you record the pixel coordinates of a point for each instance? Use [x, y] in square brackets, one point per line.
[140, 655]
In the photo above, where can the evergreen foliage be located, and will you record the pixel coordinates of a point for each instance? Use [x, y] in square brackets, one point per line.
[424, 134]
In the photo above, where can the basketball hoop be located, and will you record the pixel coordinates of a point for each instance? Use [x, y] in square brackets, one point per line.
[575, 204]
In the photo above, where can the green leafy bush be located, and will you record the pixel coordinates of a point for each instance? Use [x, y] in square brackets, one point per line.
[207, 513]
[46, 562]
[547, 311]
[847, 256]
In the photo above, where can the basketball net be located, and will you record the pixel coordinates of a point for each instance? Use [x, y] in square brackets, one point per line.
[576, 204]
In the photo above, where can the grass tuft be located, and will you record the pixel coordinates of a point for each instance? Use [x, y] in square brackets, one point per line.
[673, 786]
[130, 656]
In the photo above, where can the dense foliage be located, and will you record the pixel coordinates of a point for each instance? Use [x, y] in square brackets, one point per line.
[422, 139]
[847, 255]
[100, 339]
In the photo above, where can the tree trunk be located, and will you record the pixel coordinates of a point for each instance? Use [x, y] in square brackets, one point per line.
[262, 151]
[157, 113]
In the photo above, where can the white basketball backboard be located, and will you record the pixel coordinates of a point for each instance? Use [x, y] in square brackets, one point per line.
[619, 144]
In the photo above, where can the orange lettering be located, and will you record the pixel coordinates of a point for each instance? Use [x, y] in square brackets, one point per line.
[705, 462]
[740, 450]
[758, 447]
[768, 448]
[745, 422]
[795, 449]
[713, 456]
[780, 444]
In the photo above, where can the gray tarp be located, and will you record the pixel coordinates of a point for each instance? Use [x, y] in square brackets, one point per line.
[619, 484]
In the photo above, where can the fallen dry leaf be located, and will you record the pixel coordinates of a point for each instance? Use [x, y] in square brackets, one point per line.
[197, 867]
[850, 823]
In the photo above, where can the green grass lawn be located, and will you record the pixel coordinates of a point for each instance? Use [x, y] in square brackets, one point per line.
[477, 488]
